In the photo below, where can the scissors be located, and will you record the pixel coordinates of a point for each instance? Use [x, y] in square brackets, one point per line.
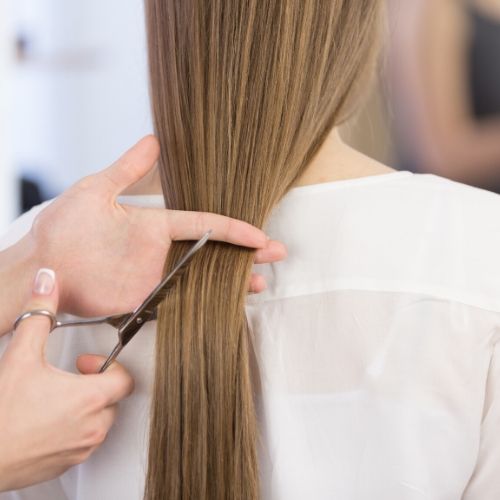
[130, 323]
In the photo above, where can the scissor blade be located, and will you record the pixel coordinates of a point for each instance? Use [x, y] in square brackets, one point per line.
[145, 311]
[112, 356]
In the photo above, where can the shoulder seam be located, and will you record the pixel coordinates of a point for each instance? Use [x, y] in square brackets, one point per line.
[440, 293]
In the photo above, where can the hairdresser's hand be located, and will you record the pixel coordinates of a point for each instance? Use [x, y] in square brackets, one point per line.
[51, 419]
[110, 256]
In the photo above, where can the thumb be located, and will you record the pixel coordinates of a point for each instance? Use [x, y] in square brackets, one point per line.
[132, 166]
[31, 333]
[88, 364]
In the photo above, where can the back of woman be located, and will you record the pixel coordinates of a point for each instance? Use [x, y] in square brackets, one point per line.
[368, 368]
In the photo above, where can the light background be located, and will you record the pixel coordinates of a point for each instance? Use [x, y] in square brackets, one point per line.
[79, 97]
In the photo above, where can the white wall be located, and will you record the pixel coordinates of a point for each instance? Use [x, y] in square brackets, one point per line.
[8, 193]
[82, 99]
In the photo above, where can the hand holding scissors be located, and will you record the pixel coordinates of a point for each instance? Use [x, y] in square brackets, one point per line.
[51, 419]
[57, 419]
[127, 324]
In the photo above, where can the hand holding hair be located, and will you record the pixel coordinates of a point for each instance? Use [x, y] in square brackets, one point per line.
[109, 256]
[51, 419]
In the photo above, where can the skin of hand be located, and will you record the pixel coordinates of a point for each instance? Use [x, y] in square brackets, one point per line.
[51, 419]
[109, 256]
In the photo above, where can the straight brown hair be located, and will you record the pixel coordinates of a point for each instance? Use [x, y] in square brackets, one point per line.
[244, 92]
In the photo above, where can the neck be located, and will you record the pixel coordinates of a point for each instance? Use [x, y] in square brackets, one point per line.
[334, 161]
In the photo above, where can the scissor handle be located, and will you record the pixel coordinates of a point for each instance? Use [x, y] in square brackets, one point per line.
[115, 321]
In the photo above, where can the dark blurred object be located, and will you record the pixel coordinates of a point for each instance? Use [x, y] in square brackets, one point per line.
[23, 47]
[484, 58]
[31, 194]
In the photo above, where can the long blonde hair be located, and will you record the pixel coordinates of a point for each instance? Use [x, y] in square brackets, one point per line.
[244, 92]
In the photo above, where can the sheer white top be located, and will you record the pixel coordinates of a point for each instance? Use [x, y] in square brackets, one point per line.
[377, 344]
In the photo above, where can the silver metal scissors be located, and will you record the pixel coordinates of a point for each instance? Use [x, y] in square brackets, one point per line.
[130, 323]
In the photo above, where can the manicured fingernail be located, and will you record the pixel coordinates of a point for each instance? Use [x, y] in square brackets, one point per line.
[44, 282]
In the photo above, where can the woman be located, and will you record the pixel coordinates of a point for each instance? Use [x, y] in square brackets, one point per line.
[445, 80]
[367, 369]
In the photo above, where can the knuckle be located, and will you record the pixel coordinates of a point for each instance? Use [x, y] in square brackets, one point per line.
[128, 384]
[41, 228]
[95, 436]
[98, 436]
[85, 183]
[125, 385]
[81, 456]
[73, 460]
[96, 399]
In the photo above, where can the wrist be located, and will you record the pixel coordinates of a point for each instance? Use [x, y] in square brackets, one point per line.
[18, 266]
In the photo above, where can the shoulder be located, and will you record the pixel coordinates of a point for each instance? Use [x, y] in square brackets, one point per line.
[409, 233]
[479, 207]
[452, 246]
[450, 215]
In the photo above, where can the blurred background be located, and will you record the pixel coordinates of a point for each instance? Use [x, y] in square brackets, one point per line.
[74, 93]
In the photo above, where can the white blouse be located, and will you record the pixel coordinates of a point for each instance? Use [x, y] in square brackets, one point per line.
[377, 343]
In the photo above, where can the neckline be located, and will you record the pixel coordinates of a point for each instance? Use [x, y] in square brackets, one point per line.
[318, 187]
[339, 184]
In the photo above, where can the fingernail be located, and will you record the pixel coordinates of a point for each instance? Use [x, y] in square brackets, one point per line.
[268, 237]
[44, 282]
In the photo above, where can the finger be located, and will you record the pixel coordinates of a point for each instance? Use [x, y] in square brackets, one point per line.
[116, 383]
[274, 252]
[31, 334]
[89, 364]
[257, 283]
[132, 166]
[186, 225]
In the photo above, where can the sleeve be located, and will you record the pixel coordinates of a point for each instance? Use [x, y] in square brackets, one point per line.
[484, 483]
